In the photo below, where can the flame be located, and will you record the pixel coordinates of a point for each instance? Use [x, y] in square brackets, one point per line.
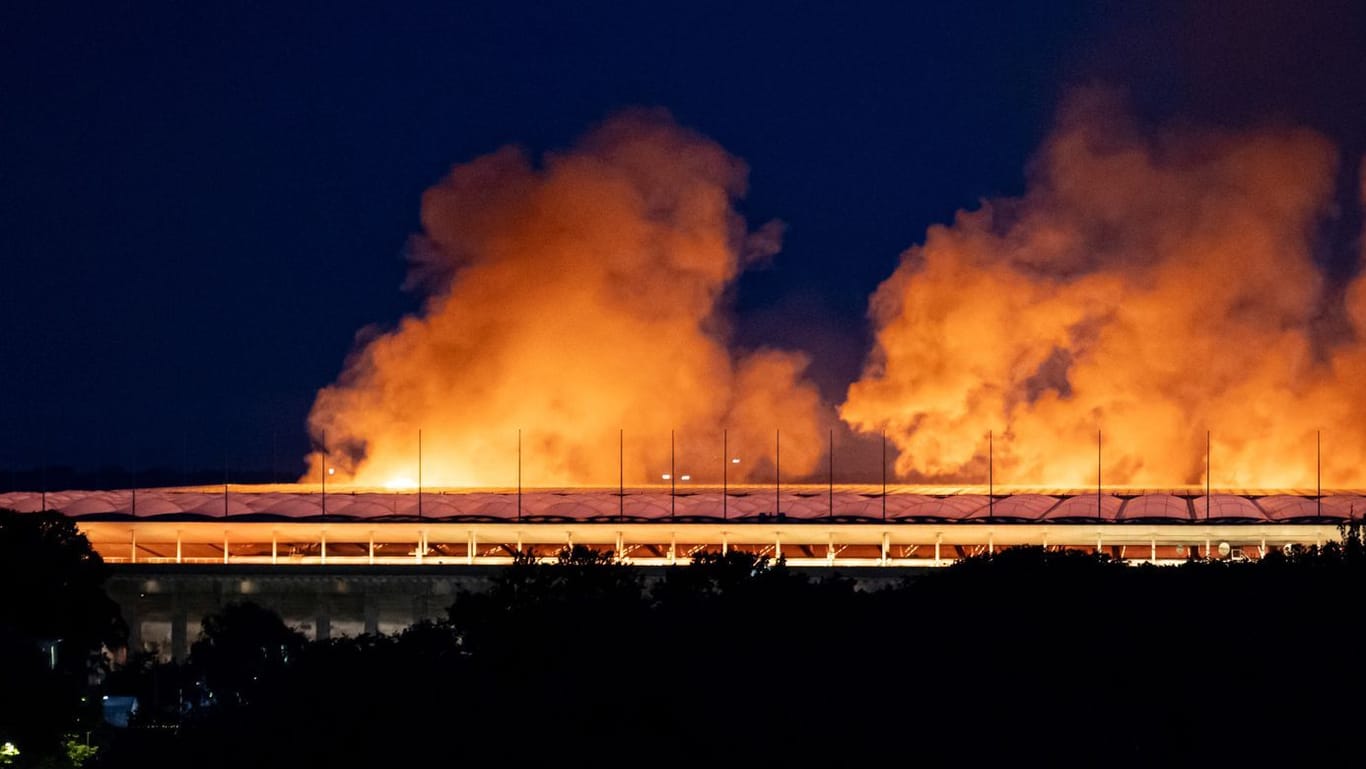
[1147, 287]
[565, 303]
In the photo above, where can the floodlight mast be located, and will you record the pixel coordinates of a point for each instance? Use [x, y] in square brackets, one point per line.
[832, 474]
[777, 472]
[621, 473]
[991, 475]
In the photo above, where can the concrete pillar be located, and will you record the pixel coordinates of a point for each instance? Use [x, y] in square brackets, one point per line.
[471, 548]
[180, 646]
[177, 546]
[322, 545]
[322, 621]
[133, 546]
[274, 548]
[777, 546]
[225, 547]
[370, 609]
[938, 541]
[372, 549]
[134, 620]
[886, 546]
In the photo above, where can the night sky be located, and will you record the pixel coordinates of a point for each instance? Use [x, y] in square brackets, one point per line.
[202, 203]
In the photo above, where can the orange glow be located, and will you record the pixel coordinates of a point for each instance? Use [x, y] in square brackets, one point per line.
[1150, 287]
[569, 301]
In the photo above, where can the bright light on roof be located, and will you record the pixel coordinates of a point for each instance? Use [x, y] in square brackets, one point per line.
[400, 483]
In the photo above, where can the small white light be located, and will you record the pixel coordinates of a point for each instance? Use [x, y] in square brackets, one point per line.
[664, 477]
[686, 478]
[735, 461]
[331, 471]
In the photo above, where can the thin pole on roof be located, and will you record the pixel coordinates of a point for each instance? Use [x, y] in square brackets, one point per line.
[725, 469]
[991, 474]
[621, 474]
[1318, 469]
[672, 473]
[884, 474]
[133, 479]
[777, 472]
[1098, 484]
[274, 458]
[419, 473]
[225, 483]
[1209, 462]
[832, 474]
[519, 473]
[326, 461]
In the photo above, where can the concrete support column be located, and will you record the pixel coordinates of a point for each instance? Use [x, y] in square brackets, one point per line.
[938, 541]
[133, 546]
[886, 546]
[370, 610]
[274, 548]
[619, 548]
[177, 546]
[322, 621]
[372, 549]
[225, 547]
[725, 543]
[180, 646]
[471, 547]
[322, 545]
[133, 617]
[777, 546]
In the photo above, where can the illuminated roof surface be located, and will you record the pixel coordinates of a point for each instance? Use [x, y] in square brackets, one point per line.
[749, 503]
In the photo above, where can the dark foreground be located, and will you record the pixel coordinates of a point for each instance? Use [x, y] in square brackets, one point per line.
[1028, 656]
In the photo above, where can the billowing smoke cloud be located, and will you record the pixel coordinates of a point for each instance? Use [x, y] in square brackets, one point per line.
[1148, 286]
[569, 301]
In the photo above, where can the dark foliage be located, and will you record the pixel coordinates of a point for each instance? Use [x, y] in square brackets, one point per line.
[1025, 656]
[53, 608]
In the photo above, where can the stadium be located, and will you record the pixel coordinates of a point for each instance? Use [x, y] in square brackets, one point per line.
[346, 561]
[808, 525]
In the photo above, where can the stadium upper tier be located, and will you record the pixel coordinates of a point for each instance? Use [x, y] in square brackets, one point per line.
[849, 504]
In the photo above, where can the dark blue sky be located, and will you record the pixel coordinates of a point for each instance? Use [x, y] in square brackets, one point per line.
[201, 203]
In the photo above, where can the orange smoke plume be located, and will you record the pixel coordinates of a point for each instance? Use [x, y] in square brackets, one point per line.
[1150, 287]
[571, 301]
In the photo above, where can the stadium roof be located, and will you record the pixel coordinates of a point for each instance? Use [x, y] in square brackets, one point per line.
[903, 504]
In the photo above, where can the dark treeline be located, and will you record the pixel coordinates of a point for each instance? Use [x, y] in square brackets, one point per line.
[1028, 656]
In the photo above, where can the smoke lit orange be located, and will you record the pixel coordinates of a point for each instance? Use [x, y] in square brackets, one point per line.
[574, 301]
[1153, 287]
